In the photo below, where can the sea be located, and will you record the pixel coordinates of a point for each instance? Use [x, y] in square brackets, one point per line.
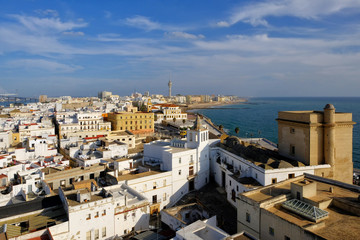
[256, 117]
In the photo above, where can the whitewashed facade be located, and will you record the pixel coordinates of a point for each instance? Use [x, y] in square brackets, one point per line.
[230, 170]
[114, 211]
[187, 160]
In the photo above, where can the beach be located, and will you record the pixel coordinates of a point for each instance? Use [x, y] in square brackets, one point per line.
[212, 104]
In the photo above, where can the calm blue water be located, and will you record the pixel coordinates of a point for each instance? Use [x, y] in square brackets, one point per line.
[257, 117]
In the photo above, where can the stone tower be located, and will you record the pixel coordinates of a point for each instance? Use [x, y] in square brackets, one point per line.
[329, 134]
[318, 138]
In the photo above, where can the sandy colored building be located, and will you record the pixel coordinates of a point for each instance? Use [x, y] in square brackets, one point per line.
[305, 207]
[122, 136]
[135, 122]
[319, 137]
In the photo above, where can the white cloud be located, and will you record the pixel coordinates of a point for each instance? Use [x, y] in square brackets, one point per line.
[52, 66]
[183, 35]
[256, 13]
[47, 12]
[222, 24]
[72, 33]
[44, 25]
[142, 23]
[147, 24]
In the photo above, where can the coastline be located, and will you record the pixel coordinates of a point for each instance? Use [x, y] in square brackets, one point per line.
[195, 106]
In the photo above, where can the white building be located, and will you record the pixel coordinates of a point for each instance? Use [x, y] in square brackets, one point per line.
[187, 160]
[5, 140]
[167, 112]
[155, 186]
[206, 230]
[113, 211]
[35, 130]
[249, 167]
[82, 125]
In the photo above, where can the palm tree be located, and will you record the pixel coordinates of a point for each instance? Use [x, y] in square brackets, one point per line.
[237, 130]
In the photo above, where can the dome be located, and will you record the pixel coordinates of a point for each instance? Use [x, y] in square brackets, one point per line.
[329, 106]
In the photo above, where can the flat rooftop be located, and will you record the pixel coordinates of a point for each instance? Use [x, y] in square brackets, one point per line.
[138, 175]
[119, 133]
[71, 197]
[344, 216]
[74, 172]
[248, 182]
[21, 225]
[260, 156]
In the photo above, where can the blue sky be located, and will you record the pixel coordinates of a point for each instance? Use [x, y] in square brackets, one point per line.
[244, 48]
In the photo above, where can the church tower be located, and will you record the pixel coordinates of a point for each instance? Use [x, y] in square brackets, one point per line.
[198, 136]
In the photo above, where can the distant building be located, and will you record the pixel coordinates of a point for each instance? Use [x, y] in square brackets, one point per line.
[135, 122]
[42, 98]
[306, 207]
[167, 112]
[104, 94]
[319, 137]
[82, 125]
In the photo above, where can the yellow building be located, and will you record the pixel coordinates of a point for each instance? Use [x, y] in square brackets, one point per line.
[136, 122]
[319, 137]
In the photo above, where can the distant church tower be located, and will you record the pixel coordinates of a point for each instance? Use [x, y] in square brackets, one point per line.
[170, 84]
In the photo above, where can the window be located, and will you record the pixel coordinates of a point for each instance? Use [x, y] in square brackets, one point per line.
[179, 172]
[292, 149]
[286, 238]
[134, 214]
[292, 130]
[179, 160]
[237, 188]
[88, 216]
[125, 216]
[256, 175]
[164, 182]
[274, 180]
[62, 183]
[154, 199]
[164, 197]
[248, 217]
[88, 235]
[104, 212]
[154, 185]
[271, 231]
[104, 232]
[96, 214]
[291, 175]
[230, 182]
[96, 233]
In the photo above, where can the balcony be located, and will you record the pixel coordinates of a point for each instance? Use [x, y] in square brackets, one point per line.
[191, 176]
